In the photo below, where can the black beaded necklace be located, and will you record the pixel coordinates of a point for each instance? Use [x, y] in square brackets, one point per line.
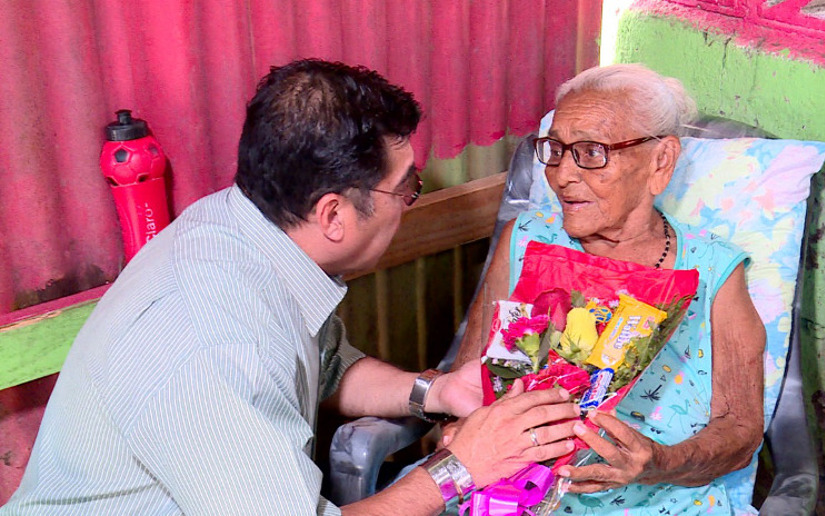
[667, 241]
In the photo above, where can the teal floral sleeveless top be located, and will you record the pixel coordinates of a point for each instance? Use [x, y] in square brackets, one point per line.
[671, 400]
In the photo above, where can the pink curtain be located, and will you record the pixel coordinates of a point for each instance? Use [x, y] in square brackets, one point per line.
[480, 68]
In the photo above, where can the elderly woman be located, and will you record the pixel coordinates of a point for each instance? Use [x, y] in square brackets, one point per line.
[610, 151]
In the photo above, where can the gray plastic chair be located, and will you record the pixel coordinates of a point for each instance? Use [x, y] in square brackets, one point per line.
[359, 448]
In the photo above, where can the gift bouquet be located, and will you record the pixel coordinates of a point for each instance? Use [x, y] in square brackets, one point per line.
[588, 324]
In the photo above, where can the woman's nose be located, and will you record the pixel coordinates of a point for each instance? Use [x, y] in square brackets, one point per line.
[566, 172]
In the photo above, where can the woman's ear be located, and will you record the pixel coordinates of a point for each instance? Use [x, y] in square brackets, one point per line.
[330, 214]
[667, 152]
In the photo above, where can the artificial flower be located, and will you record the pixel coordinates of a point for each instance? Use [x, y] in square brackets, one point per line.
[525, 334]
[579, 336]
[555, 303]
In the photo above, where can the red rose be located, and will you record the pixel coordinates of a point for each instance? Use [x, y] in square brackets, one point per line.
[555, 303]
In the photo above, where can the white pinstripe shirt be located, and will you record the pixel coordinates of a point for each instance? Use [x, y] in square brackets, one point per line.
[194, 385]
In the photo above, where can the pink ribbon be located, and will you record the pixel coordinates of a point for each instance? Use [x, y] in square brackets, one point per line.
[511, 496]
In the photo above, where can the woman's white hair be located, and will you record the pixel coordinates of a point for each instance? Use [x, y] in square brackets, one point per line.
[660, 105]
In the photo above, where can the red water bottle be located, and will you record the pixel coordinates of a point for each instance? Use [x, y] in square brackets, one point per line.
[133, 163]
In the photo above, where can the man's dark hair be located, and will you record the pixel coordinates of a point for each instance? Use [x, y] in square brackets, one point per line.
[315, 127]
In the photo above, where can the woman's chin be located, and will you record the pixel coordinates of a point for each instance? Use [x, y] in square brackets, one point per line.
[576, 231]
[577, 225]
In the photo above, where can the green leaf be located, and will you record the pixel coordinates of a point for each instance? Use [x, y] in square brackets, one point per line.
[506, 383]
[549, 340]
[530, 345]
[515, 371]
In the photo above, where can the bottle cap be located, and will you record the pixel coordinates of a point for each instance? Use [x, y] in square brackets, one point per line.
[126, 127]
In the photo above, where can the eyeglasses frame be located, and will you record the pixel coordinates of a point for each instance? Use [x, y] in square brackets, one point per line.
[409, 198]
[607, 148]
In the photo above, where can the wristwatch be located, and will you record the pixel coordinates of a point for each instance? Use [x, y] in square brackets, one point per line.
[418, 396]
[450, 475]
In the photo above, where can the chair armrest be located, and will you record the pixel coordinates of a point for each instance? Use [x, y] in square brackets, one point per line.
[359, 448]
[796, 476]
[789, 440]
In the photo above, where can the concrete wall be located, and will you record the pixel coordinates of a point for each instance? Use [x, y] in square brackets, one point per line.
[782, 95]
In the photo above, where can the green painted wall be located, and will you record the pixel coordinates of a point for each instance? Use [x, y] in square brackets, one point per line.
[786, 97]
[783, 96]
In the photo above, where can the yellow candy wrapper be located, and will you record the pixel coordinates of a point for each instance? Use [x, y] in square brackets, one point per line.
[632, 319]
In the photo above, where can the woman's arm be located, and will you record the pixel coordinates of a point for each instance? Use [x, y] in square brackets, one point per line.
[496, 286]
[737, 408]
[735, 428]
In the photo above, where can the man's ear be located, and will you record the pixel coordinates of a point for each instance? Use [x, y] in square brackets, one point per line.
[667, 152]
[329, 214]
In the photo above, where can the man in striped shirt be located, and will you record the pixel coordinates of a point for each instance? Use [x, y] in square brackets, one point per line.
[193, 388]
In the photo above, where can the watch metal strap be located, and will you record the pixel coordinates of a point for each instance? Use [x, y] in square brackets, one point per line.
[418, 396]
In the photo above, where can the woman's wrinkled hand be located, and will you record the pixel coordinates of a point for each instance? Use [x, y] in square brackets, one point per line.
[496, 441]
[630, 457]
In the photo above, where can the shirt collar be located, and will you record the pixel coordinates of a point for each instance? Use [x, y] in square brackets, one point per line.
[316, 293]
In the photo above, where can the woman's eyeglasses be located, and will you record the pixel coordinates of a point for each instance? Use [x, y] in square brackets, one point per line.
[586, 154]
[413, 186]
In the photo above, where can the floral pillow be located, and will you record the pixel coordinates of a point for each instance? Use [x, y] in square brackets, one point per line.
[752, 192]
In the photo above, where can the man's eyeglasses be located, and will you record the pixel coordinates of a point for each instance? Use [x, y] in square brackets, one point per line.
[413, 186]
[586, 154]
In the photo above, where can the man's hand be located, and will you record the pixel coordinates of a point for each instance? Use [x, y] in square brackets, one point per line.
[498, 440]
[457, 393]
[630, 457]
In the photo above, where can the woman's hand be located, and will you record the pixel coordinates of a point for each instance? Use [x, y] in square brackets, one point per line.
[631, 457]
[517, 430]
[734, 430]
